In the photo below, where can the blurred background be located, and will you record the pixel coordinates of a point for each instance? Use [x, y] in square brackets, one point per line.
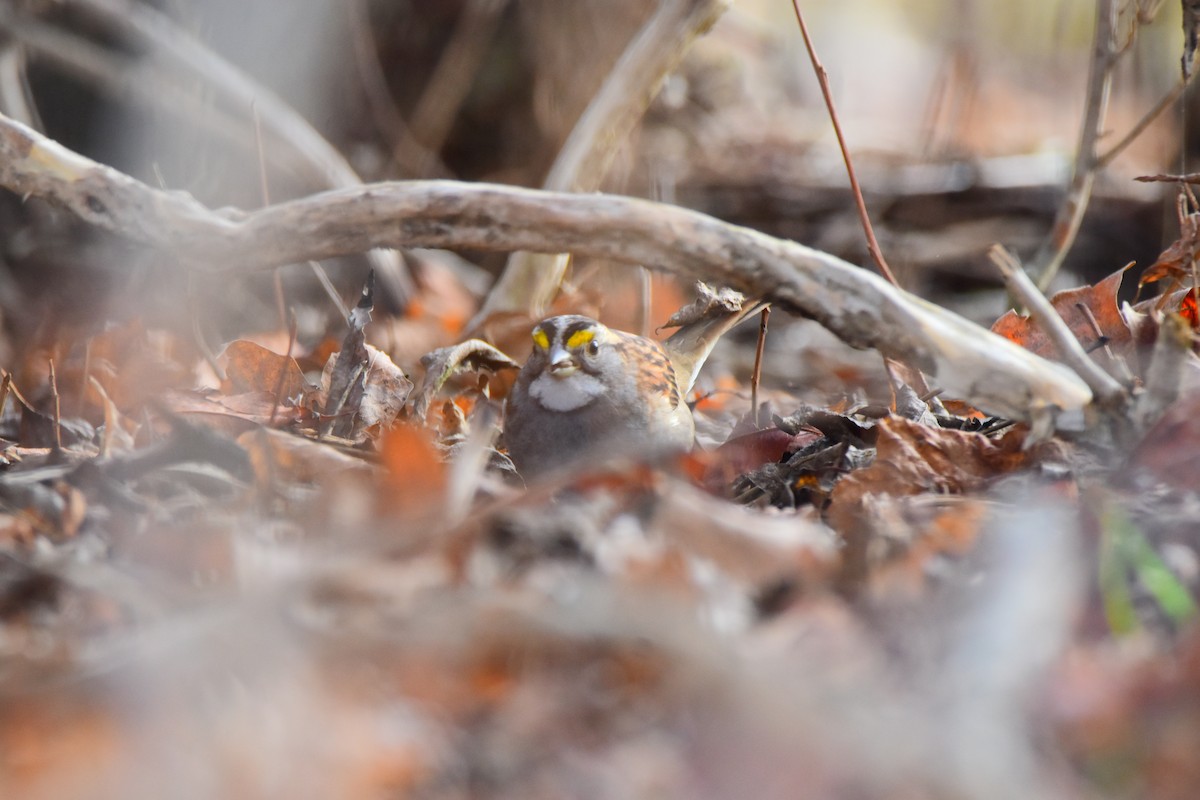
[344, 622]
[962, 116]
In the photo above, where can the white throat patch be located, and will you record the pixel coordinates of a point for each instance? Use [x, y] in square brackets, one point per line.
[566, 394]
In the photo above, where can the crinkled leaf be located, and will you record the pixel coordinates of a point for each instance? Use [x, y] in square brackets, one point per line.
[709, 302]
[253, 368]
[1100, 300]
[473, 355]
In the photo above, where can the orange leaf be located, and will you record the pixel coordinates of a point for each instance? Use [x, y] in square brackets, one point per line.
[1100, 300]
[253, 368]
[416, 479]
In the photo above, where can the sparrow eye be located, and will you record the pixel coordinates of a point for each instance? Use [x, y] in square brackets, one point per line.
[593, 347]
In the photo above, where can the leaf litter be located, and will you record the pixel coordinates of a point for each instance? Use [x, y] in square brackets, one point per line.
[319, 577]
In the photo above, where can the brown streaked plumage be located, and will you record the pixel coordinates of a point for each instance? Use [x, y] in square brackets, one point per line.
[588, 391]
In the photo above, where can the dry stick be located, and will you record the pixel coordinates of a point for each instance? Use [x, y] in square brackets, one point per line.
[644, 300]
[5, 385]
[856, 305]
[1054, 250]
[15, 97]
[1109, 393]
[823, 79]
[758, 358]
[1137, 130]
[57, 408]
[198, 335]
[1103, 340]
[264, 189]
[1163, 378]
[292, 328]
[1189, 177]
[330, 289]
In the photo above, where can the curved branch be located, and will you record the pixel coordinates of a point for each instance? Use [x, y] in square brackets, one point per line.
[861, 308]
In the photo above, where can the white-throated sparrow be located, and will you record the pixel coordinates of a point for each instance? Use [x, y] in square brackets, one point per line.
[587, 389]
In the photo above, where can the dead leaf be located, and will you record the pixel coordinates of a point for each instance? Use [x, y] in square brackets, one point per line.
[1175, 263]
[277, 456]
[250, 367]
[416, 475]
[1100, 300]
[912, 458]
[385, 390]
[232, 414]
[345, 380]
[1170, 450]
[473, 355]
[709, 302]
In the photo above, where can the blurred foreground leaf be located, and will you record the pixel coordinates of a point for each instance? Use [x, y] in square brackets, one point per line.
[1126, 556]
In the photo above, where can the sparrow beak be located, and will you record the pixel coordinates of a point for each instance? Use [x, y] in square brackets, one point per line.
[562, 363]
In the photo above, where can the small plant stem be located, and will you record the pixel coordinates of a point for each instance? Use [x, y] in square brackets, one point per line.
[823, 79]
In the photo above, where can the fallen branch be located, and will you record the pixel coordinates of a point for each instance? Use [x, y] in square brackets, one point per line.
[861, 308]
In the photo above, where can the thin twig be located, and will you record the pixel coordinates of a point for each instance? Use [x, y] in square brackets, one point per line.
[823, 79]
[330, 290]
[1103, 341]
[1137, 130]
[57, 408]
[292, 328]
[264, 188]
[5, 385]
[1054, 250]
[1188, 177]
[756, 376]
[1108, 391]
[644, 301]
[198, 335]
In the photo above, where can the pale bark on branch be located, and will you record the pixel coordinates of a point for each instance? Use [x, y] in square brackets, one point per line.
[861, 308]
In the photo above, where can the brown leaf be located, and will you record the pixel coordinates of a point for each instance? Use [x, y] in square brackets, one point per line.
[913, 459]
[709, 302]
[253, 368]
[277, 456]
[232, 414]
[473, 355]
[1176, 261]
[385, 390]
[1100, 299]
[715, 470]
[416, 475]
[1170, 450]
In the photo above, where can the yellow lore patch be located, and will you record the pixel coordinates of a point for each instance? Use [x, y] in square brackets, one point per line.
[580, 338]
[539, 338]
